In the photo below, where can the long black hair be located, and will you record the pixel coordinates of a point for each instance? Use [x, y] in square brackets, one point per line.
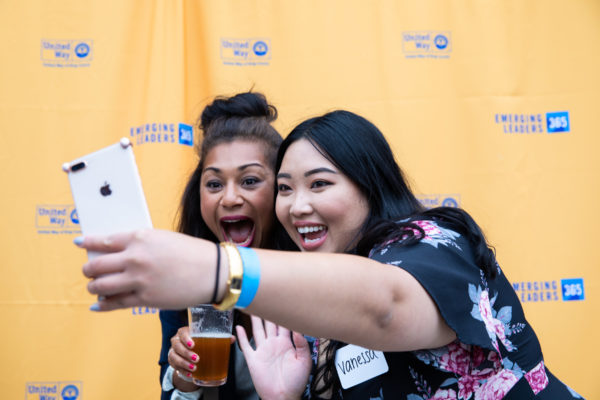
[245, 116]
[361, 152]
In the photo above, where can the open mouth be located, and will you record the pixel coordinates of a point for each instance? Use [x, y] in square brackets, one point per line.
[312, 236]
[238, 230]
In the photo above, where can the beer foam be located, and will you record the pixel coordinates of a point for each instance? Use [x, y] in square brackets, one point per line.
[216, 335]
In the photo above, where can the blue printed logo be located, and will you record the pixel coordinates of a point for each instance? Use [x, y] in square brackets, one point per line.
[260, 48]
[245, 51]
[57, 219]
[441, 42]
[557, 122]
[426, 44]
[186, 134]
[74, 217]
[155, 132]
[439, 200]
[449, 202]
[53, 390]
[572, 289]
[70, 392]
[72, 53]
[82, 50]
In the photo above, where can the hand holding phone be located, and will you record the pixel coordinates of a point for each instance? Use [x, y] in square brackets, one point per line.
[107, 191]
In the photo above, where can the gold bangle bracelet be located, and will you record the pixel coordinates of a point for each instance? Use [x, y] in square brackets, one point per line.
[234, 280]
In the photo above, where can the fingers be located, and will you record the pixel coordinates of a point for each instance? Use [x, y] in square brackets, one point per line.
[105, 243]
[183, 334]
[270, 328]
[258, 330]
[243, 341]
[114, 284]
[300, 342]
[181, 357]
[116, 302]
[106, 264]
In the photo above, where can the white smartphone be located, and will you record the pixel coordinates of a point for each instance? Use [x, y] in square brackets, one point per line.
[107, 191]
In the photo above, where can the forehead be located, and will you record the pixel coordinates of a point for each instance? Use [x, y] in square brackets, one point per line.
[302, 154]
[235, 154]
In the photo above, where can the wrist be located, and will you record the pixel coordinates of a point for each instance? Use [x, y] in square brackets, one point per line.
[183, 385]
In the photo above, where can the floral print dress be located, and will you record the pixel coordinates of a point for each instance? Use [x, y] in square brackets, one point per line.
[496, 354]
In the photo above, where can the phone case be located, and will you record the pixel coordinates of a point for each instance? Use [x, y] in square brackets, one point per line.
[107, 191]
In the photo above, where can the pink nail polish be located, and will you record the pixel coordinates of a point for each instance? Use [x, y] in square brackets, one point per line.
[189, 374]
[190, 343]
[194, 357]
[191, 366]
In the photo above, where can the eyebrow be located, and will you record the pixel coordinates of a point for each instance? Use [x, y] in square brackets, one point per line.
[308, 173]
[240, 168]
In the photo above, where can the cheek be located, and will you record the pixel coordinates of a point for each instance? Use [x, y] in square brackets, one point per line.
[263, 204]
[281, 210]
[207, 207]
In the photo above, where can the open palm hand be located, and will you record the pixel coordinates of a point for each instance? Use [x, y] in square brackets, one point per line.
[279, 366]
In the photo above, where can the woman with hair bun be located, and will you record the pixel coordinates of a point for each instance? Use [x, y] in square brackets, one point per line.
[229, 197]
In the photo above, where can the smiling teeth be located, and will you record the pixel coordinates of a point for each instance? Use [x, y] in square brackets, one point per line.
[308, 229]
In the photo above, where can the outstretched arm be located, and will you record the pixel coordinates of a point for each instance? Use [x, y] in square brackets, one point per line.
[340, 296]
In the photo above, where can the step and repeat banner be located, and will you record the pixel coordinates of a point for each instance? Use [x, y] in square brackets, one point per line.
[489, 105]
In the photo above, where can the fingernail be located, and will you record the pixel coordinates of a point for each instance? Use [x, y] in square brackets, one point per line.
[190, 343]
[189, 374]
[194, 357]
[78, 240]
[95, 307]
[191, 366]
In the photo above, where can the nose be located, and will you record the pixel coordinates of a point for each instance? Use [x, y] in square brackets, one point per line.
[231, 196]
[301, 205]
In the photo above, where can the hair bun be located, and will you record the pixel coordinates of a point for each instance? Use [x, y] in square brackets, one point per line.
[242, 105]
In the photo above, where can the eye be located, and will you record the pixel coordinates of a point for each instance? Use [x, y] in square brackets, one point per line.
[213, 185]
[283, 188]
[319, 184]
[250, 181]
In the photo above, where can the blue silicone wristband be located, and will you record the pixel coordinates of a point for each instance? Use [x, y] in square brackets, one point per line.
[250, 278]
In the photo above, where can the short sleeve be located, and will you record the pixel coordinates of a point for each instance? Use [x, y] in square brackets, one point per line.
[443, 264]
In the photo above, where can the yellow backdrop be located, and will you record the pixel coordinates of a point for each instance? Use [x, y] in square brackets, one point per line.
[489, 105]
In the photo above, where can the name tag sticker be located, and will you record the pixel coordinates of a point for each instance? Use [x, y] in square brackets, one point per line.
[356, 365]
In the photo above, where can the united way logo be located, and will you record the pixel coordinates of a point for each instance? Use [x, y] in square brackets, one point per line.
[53, 391]
[439, 200]
[426, 44]
[57, 219]
[245, 51]
[62, 53]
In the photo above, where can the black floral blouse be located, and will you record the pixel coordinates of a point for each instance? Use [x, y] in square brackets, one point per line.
[496, 354]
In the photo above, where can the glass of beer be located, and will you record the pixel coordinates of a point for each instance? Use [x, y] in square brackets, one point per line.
[210, 330]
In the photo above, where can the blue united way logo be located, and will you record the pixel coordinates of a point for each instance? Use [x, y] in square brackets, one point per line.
[72, 53]
[186, 134]
[53, 390]
[572, 289]
[57, 219]
[426, 44]
[439, 200]
[557, 122]
[82, 50]
[70, 392]
[245, 51]
[260, 48]
[441, 42]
